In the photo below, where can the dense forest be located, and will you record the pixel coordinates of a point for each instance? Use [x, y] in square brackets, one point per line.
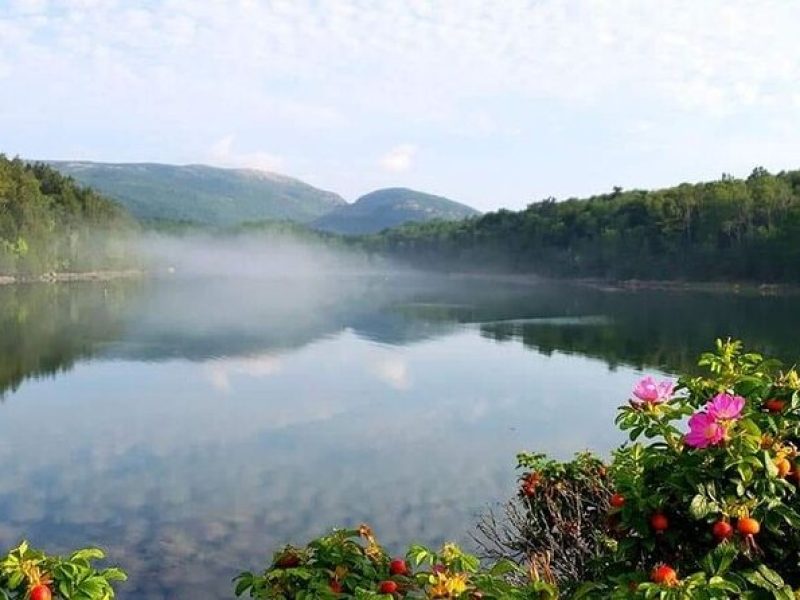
[730, 229]
[50, 223]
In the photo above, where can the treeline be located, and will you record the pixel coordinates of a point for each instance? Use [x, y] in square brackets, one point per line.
[50, 223]
[730, 229]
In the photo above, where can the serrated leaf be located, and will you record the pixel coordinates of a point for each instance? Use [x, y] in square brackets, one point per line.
[699, 508]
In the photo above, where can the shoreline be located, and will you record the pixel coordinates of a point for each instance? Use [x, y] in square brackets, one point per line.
[604, 285]
[713, 287]
[635, 285]
[65, 277]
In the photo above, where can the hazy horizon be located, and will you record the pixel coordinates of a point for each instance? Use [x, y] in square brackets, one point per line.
[493, 105]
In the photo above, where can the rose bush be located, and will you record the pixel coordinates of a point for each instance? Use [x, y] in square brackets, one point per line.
[26, 573]
[351, 564]
[709, 483]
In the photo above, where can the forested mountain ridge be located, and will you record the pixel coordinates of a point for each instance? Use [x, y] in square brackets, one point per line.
[729, 229]
[202, 194]
[391, 207]
[50, 223]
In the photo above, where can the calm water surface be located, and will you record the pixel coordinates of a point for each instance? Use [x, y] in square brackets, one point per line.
[191, 427]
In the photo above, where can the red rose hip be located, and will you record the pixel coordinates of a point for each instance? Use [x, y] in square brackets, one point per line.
[398, 567]
[722, 530]
[774, 405]
[748, 526]
[665, 575]
[289, 561]
[41, 592]
[659, 523]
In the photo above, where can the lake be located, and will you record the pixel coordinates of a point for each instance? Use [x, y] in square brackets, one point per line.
[190, 427]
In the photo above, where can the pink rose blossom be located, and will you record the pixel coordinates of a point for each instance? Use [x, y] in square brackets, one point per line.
[725, 407]
[649, 391]
[704, 431]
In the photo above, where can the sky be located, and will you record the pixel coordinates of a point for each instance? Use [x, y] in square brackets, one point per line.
[493, 103]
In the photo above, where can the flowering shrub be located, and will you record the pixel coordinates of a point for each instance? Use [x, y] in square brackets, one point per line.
[351, 564]
[30, 574]
[701, 503]
[708, 485]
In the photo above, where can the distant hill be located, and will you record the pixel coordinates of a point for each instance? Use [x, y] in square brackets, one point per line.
[202, 194]
[390, 207]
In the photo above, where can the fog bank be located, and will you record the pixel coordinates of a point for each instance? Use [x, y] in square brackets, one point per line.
[254, 256]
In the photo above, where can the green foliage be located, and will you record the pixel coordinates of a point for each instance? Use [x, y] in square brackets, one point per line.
[70, 578]
[722, 230]
[745, 477]
[48, 223]
[351, 564]
[710, 517]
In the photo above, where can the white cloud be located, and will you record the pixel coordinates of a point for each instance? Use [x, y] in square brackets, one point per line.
[223, 154]
[433, 56]
[393, 371]
[399, 158]
[325, 83]
[219, 372]
[29, 6]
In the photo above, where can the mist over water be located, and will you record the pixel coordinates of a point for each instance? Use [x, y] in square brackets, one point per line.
[262, 391]
[255, 256]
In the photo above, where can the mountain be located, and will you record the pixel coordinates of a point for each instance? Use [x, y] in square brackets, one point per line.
[202, 194]
[390, 207]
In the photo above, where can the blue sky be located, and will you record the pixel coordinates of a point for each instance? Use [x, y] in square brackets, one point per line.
[493, 103]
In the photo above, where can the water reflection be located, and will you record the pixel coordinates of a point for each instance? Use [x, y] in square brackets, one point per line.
[647, 329]
[190, 428]
[47, 328]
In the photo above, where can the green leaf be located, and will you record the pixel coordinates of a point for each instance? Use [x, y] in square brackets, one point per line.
[771, 576]
[503, 567]
[244, 583]
[88, 554]
[699, 507]
[770, 467]
[114, 574]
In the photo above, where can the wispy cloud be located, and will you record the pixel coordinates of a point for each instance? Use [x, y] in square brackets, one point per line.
[394, 371]
[222, 153]
[219, 372]
[331, 85]
[399, 158]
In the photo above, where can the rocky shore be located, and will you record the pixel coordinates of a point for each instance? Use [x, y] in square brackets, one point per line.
[56, 277]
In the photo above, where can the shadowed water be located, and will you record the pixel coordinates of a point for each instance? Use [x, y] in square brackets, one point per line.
[192, 426]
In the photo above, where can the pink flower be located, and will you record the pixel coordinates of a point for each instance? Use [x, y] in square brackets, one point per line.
[725, 407]
[648, 391]
[704, 431]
